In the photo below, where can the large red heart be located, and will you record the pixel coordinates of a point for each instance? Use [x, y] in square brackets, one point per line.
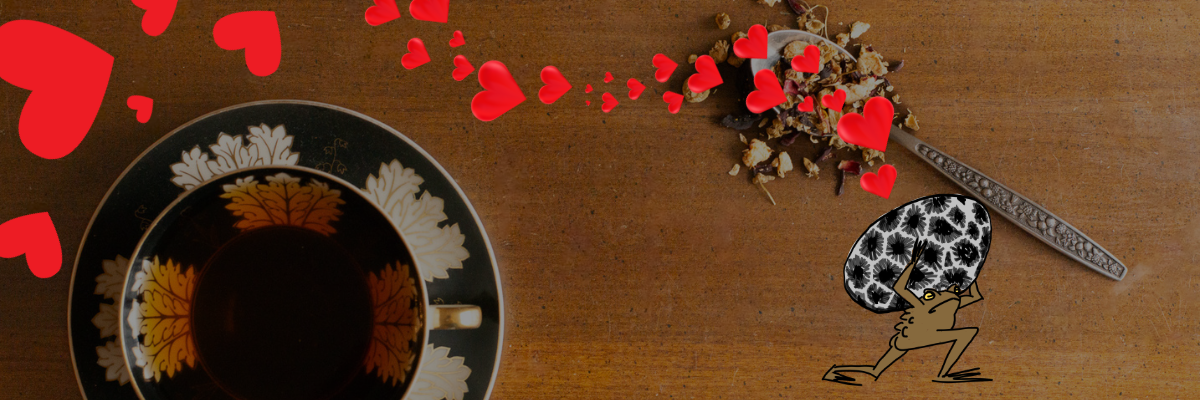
[34, 236]
[665, 66]
[430, 10]
[610, 102]
[806, 105]
[67, 76]
[462, 67]
[871, 129]
[673, 100]
[635, 88]
[158, 15]
[768, 95]
[880, 185]
[809, 62]
[834, 101]
[143, 105]
[754, 45]
[255, 31]
[555, 85]
[382, 11]
[500, 92]
[706, 76]
[417, 56]
[457, 40]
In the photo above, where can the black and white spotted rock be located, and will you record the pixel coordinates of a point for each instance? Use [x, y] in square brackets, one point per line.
[958, 233]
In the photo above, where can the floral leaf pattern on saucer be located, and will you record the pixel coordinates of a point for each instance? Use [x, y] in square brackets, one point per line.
[436, 249]
[397, 323]
[441, 377]
[265, 146]
[162, 318]
[283, 201]
[109, 284]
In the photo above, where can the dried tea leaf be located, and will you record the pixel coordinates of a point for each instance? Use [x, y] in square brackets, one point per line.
[758, 152]
[720, 51]
[723, 20]
[740, 122]
[825, 155]
[858, 28]
[788, 139]
[897, 67]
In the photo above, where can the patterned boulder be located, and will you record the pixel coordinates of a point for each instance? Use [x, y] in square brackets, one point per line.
[958, 233]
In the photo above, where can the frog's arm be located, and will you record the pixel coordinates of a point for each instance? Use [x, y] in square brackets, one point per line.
[903, 280]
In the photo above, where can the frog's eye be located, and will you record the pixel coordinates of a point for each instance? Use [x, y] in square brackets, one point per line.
[928, 296]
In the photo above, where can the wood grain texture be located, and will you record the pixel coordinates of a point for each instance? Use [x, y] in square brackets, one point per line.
[633, 265]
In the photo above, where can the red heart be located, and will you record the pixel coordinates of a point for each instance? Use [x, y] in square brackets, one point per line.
[143, 105]
[588, 102]
[462, 67]
[754, 45]
[768, 95]
[608, 77]
[417, 56]
[665, 66]
[430, 10]
[587, 88]
[457, 40]
[880, 185]
[673, 100]
[834, 101]
[67, 76]
[255, 31]
[556, 85]
[809, 62]
[706, 76]
[500, 92]
[610, 102]
[158, 15]
[635, 88]
[806, 106]
[871, 129]
[382, 11]
[34, 236]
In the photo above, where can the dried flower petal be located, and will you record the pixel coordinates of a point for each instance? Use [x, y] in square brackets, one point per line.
[768, 3]
[758, 152]
[911, 121]
[858, 28]
[720, 51]
[850, 167]
[897, 67]
[783, 164]
[812, 169]
[797, 7]
[692, 59]
[693, 97]
[842, 39]
[870, 62]
[825, 155]
[776, 27]
[896, 98]
[775, 130]
[814, 26]
[736, 168]
[723, 20]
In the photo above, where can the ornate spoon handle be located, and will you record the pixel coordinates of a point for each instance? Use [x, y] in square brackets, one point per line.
[1030, 216]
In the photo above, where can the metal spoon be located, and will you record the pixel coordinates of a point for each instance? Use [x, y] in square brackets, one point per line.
[1026, 214]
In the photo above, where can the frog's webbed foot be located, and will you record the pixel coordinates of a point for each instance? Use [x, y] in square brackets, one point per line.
[836, 374]
[970, 375]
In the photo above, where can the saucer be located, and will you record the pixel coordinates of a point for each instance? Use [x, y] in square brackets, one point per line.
[453, 254]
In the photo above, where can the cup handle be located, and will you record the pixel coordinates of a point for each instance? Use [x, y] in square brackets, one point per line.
[453, 316]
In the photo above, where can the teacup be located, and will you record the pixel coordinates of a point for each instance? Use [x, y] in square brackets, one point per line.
[277, 283]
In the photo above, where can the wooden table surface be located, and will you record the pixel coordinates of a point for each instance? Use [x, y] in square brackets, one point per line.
[633, 265]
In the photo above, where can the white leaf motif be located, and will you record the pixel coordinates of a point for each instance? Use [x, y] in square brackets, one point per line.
[112, 281]
[113, 361]
[265, 146]
[107, 319]
[274, 145]
[441, 377]
[437, 248]
[231, 155]
[192, 170]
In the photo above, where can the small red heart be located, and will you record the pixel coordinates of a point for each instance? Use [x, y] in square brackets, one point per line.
[555, 85]
[880, 185]
[870, 130]
[706, 76]
[673, 100]
[143, 105]
[500, 92]
[67, 76]
[158, 15]
[462, 67]
[457, 40]
[768, 95]
[665, 66]
[635, 88]
[587, 88]
[34, 236]
[610, 102]
[382, 11]
[834, 101]
[588, 102]
[608, 77]
[754, 45]
[417, 56]
[806, 105]
[430, 10]
[809, 62]
[255, 31]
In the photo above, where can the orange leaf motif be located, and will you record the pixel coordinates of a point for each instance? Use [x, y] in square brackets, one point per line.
[397, 323]
[283, 201]
[162, 318]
